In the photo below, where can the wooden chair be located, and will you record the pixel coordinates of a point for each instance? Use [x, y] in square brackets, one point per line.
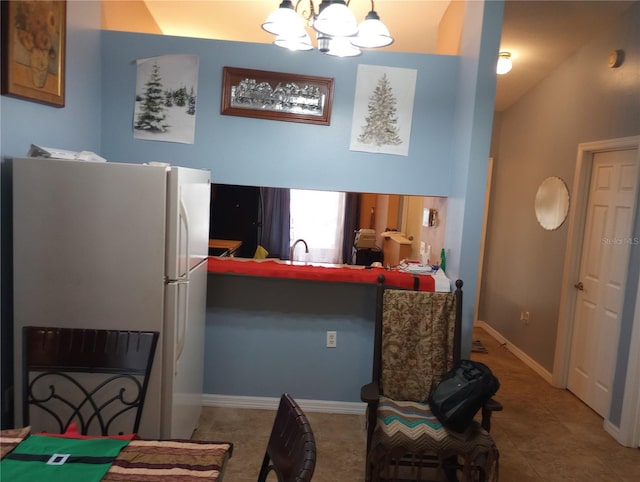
[417, 340]
[95, 378]
[291, 451]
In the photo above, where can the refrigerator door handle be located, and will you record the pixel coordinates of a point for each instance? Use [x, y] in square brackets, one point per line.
[184, 216]
[184, 279]
[183, 335]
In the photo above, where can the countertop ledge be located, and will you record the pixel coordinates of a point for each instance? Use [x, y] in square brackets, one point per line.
[271, 268]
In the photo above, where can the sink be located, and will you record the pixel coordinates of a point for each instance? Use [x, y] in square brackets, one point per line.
[308, 263]
[296, 263]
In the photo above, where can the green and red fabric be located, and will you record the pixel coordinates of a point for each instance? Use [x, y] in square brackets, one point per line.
[60, 458]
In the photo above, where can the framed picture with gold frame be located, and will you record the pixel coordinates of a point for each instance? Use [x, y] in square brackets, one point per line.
[33, 50]
[276, 96]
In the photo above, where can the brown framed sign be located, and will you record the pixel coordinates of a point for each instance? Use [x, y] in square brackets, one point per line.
[276, 96]
[33, 50]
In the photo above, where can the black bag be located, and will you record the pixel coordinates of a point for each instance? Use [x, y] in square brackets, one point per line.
[461, 393]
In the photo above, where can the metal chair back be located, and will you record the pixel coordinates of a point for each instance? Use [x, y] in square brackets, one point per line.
[95, 378]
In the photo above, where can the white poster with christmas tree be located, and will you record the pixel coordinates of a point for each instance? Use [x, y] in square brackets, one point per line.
[383, 109]
[166, 93]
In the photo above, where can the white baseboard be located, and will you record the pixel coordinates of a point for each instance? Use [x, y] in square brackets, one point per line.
[522, 356]
[623, 437]
[271, 403]
[614, 431]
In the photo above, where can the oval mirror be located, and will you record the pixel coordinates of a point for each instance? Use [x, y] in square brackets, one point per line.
[552, 203]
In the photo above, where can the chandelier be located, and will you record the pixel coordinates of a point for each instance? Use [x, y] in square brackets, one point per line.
[337, 31]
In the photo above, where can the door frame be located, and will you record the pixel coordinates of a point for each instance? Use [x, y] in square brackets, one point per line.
[629, 431]
[483, 238]
[577, 212]
[411, 222]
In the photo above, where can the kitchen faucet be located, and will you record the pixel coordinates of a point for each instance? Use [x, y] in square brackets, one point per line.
[293, 247]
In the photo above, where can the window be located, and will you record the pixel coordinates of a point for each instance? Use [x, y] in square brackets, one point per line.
[318, 218]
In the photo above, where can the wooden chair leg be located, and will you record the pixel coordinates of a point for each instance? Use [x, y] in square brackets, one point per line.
[451, 468]
[264, 469]
[371, 425]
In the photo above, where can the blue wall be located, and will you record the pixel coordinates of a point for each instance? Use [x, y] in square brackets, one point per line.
[476, 88]
[268, 336]
[76, 126]
[255, 320]
[254, 330]
[242, 150]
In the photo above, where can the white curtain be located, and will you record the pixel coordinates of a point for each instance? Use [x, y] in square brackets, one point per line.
[318, 218]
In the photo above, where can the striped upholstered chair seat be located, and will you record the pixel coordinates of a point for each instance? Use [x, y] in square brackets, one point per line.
[418, 343]
[406, 427]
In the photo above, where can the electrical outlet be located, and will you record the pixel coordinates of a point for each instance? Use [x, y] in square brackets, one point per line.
[331, 339]
[526, 317]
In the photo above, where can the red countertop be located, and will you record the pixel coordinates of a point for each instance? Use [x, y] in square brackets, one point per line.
[269, 268]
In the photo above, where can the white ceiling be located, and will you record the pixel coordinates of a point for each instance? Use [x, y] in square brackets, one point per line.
[539, 34]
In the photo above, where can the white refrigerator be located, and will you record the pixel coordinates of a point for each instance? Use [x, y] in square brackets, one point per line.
[120, 246]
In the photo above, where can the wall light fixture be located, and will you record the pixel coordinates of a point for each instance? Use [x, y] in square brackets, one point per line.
[504, 63]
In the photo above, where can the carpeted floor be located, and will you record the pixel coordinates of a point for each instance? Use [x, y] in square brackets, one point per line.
[544, 434]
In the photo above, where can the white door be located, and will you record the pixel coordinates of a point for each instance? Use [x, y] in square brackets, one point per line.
[603, 271]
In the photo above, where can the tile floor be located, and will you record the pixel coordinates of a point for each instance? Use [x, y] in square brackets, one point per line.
[544, 434]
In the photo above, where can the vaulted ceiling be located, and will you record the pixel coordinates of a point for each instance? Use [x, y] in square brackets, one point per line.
[539, 34]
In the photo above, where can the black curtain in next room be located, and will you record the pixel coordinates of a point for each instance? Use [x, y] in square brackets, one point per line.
[351, 215]
[276, 221]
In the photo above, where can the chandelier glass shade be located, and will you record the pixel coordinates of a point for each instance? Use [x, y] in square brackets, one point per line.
[372, 33]
[284, 21]
[336, 20]
[336, 28]
[294, 43]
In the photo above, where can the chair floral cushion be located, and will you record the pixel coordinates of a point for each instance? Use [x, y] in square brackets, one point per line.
[417, 342]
